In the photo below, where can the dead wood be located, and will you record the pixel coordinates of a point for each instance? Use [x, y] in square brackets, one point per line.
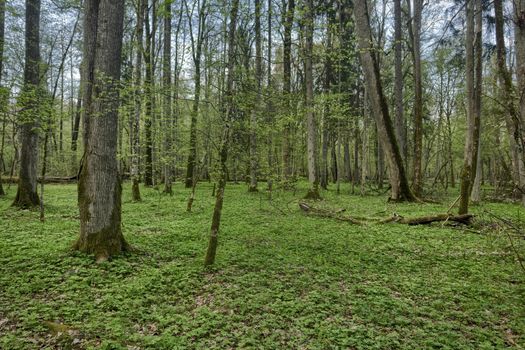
[308, 209]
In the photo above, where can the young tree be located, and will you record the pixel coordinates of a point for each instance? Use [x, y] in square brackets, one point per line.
[26, 196]
[227, 113]
[99, 187]
[400, 190]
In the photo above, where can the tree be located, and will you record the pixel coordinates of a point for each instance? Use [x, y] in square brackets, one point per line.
[473, 97]
[398, 47]
[166, 81]
[417, 177]
[400, 190]
[288, 18]
[99, 187]
[135, 122]
[3, 100]
[311, 125]
[256, 109]
[227, 113]
[519, 23]
[196, 45]
[26, 195]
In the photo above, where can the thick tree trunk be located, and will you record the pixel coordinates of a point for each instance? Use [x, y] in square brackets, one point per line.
[26, 196]
[400, 190]
[227, 112]
[99, 187]
[473, 97]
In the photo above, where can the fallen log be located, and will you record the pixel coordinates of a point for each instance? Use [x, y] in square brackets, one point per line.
[308, 209]
[465, 219]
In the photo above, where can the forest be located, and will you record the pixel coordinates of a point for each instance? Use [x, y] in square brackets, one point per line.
[262, 174]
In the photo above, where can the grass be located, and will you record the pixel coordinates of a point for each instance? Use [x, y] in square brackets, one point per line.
[281, 280]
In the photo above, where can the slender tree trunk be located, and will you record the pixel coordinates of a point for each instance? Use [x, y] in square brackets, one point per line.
[149, 93]
[399, 119]
[26, 196]
[3, 97]
[257, 108]
[287, 85]
[400, 190]
[135, 123]
[197, 55]
[313, 178]
[473, 96]
[519, 22]
[227, 112]
[166, 80]
[417, 176]
[99, 187]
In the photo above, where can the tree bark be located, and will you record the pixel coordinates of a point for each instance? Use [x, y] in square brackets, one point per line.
[400, 190]
[149, 92]
[26, 196]
[99, 187]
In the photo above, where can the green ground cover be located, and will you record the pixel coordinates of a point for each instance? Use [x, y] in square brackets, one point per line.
[282, 280]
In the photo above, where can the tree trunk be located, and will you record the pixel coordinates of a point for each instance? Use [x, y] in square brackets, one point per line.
[287, 86]
[26, 195]
[417, 177]
[197, 53]
[400, 190]
[149, 93]
[227, 112]
[166, 80]
[3, 93]
[313, 178]
[135, 123]
[519, 21]
[473, 97]
[99, 187]
[257, 108]
[399, 120]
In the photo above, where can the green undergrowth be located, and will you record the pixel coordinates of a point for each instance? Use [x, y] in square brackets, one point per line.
[282, 280]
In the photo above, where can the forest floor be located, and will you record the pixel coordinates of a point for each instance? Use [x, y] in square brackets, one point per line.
[282, 280]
